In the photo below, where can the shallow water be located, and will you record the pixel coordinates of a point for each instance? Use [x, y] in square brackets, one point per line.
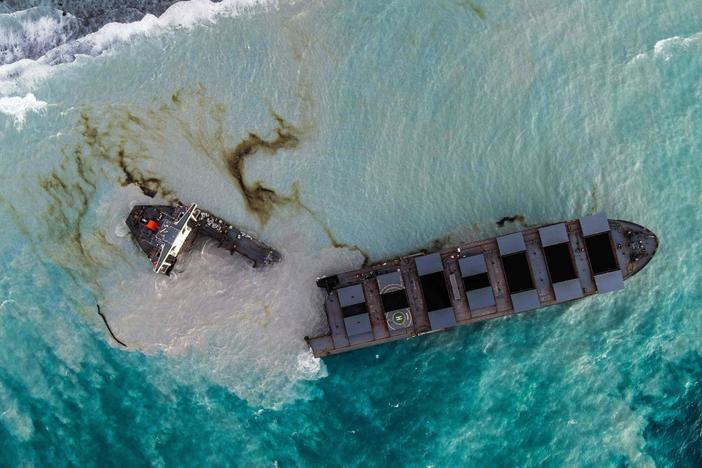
[406, 123]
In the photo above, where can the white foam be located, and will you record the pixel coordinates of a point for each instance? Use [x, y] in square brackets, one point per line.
[667, 48]
[179, 15]
[121, 230]
[24, 74]
[30, 33]
[310, 366]
[17, 107]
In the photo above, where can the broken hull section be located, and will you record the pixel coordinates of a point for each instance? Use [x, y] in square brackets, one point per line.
[165, 232]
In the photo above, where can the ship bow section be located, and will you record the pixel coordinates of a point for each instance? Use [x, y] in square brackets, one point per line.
[636, 245]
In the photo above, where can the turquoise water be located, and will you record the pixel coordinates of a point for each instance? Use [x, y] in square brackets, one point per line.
[413, 121]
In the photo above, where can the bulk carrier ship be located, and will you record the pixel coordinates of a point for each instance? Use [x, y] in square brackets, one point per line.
[425, 293]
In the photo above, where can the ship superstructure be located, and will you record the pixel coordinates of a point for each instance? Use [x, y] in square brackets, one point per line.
[165, 232]
[429, 292]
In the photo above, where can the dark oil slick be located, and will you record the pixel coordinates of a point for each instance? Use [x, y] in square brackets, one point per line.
[110, 152]
[332, 238]
[109, 328]
[69, 190]
[521, 219]
[477, 9]
[114, 154]
[260, 200]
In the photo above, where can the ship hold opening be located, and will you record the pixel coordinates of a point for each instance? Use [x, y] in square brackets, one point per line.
[476, 282]
[517, 272]
[473, 282]
[559, 262]
[433, 284]
[435, 292]
[394, 300]
[353, 310]
[520, 281]
[601, 254]
[392, 291]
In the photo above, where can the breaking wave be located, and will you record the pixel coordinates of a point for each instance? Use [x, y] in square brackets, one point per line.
[36, 39]
[17, 107]
[31, 33]
[668, 48]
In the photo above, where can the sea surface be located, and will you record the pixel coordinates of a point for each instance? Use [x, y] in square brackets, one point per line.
[342, 132]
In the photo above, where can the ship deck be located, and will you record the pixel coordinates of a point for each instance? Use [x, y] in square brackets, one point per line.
[632, 245]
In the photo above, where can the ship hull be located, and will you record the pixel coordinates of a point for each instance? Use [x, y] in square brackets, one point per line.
[429, 292]
[164, 232]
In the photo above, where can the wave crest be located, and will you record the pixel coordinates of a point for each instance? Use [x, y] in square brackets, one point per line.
[668, 48]
[20, 75]
[17, 107]
[31, 33]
